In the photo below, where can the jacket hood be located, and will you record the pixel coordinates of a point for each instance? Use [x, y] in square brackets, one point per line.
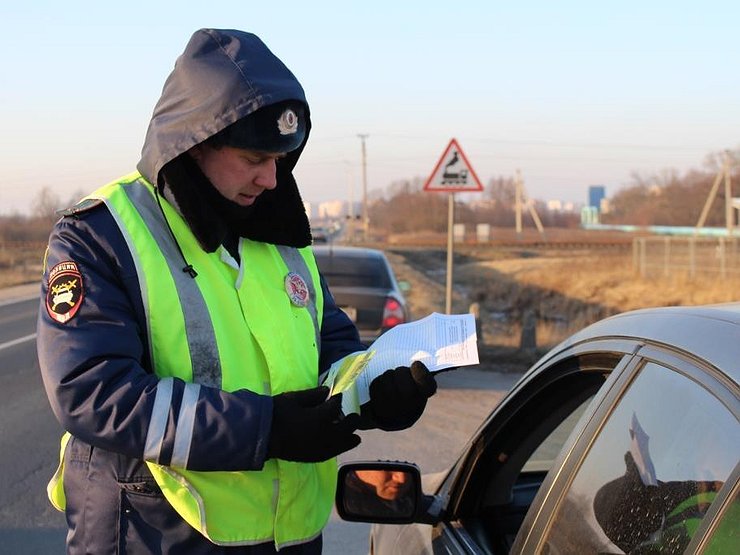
[222, 76]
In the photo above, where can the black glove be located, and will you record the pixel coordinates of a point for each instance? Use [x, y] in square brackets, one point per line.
[398, 398]
[308, 428]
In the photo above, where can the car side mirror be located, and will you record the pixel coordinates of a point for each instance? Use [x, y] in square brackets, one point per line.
[375, 491]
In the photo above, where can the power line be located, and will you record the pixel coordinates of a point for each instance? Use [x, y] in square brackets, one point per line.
[529, 142]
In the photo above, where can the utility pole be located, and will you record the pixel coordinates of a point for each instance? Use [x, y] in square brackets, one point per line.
[518, 203]
[365, 218]
[729, 210]
[351, 207]
[729, 216]
[522, 200]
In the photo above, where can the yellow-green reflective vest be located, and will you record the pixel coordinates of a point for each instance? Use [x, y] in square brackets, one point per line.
[232, 329]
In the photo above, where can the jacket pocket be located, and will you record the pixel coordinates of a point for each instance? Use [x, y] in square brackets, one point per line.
[148, 524]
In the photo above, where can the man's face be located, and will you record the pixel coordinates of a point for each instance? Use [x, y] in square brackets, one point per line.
[388, 484]
[239, 175]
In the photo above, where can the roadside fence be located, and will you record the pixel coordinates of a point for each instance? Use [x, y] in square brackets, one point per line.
[691, 256]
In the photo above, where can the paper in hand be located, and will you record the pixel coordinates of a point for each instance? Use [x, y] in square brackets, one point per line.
[439, 341]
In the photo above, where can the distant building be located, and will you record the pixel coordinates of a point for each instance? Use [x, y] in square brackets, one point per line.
[332, 209]
[555, 205]
[589, 215]
[596, 193]
[562, 206]
[481, 203]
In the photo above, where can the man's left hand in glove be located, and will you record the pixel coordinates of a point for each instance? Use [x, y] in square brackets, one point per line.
[398, 398]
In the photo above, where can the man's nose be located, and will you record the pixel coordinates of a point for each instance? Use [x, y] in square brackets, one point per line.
[399, 477]
[267, 176]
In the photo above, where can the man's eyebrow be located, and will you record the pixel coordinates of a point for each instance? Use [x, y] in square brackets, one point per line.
[265, 154]
[258, 156]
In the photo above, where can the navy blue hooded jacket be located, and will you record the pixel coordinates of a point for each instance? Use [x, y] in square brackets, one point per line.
[95, 366]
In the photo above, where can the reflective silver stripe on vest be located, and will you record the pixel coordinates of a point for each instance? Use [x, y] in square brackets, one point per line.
[295, 263]
[158, 420]
[185, 425]
[198, 326]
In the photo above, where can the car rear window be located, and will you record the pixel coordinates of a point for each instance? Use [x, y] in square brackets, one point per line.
[352, 271]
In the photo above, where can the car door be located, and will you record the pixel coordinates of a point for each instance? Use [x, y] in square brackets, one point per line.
[655, 470]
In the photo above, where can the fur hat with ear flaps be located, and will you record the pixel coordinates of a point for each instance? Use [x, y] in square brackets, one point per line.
[224, 77]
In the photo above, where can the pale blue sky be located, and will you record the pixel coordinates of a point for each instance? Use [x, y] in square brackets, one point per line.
[571, 93]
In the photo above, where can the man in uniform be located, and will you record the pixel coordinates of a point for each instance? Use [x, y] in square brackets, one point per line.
[185, 327]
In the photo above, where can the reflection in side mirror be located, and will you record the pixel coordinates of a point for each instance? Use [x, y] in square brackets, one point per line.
[388, 492]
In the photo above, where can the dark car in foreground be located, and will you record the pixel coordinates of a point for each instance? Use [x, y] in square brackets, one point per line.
[625, 438]
[364, 287]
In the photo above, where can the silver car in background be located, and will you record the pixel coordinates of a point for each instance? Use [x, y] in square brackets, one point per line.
[364, 287]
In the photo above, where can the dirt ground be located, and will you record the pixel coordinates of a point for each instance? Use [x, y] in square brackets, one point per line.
[425, 272]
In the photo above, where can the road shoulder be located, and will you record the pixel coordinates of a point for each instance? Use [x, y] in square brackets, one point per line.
[19, 292]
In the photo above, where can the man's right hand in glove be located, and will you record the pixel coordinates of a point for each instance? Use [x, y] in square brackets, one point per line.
[308, 428]
[398, 398]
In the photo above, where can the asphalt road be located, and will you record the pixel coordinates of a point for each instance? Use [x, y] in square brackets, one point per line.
[29, 437]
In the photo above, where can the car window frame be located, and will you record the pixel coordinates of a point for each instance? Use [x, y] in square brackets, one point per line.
[719, 509]
[698, 370]
[720, 386]
[450, 487]
[622, 350]
[555, 486]
[592, 358]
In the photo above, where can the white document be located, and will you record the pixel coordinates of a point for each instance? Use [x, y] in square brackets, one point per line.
[439, 341]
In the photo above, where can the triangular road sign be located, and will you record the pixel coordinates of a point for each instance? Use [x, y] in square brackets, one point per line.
[453, 173]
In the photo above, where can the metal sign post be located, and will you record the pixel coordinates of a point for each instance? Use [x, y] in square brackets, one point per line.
[453, 173]
[450, 244]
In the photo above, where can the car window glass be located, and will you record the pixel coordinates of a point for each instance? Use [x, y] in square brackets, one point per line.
[652, 472]
[354, 271]
[726, 535]
[544, 456]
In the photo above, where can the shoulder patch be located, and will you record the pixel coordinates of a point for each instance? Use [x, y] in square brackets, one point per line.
[83, 206]
[65, 294]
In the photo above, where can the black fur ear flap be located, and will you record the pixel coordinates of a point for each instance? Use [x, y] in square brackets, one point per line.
[198, 201]
[279, 216]
[276, 217]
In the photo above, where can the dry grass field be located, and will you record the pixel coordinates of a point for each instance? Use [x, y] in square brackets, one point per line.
[21, 263]
[556, 291]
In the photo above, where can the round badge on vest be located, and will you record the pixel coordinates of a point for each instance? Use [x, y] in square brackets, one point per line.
[297, 289]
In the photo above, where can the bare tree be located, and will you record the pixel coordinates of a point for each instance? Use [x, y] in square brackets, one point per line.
[45, 204]
[502, 190]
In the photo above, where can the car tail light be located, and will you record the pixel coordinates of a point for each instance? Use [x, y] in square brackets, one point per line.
[393, 313]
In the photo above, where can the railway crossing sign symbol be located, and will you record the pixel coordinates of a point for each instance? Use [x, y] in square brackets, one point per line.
[453, 173]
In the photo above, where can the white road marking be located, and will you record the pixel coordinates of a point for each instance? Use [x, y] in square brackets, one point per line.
[18, 300]
[17, 341]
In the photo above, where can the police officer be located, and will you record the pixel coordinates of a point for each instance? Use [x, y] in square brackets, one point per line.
[185, 326]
